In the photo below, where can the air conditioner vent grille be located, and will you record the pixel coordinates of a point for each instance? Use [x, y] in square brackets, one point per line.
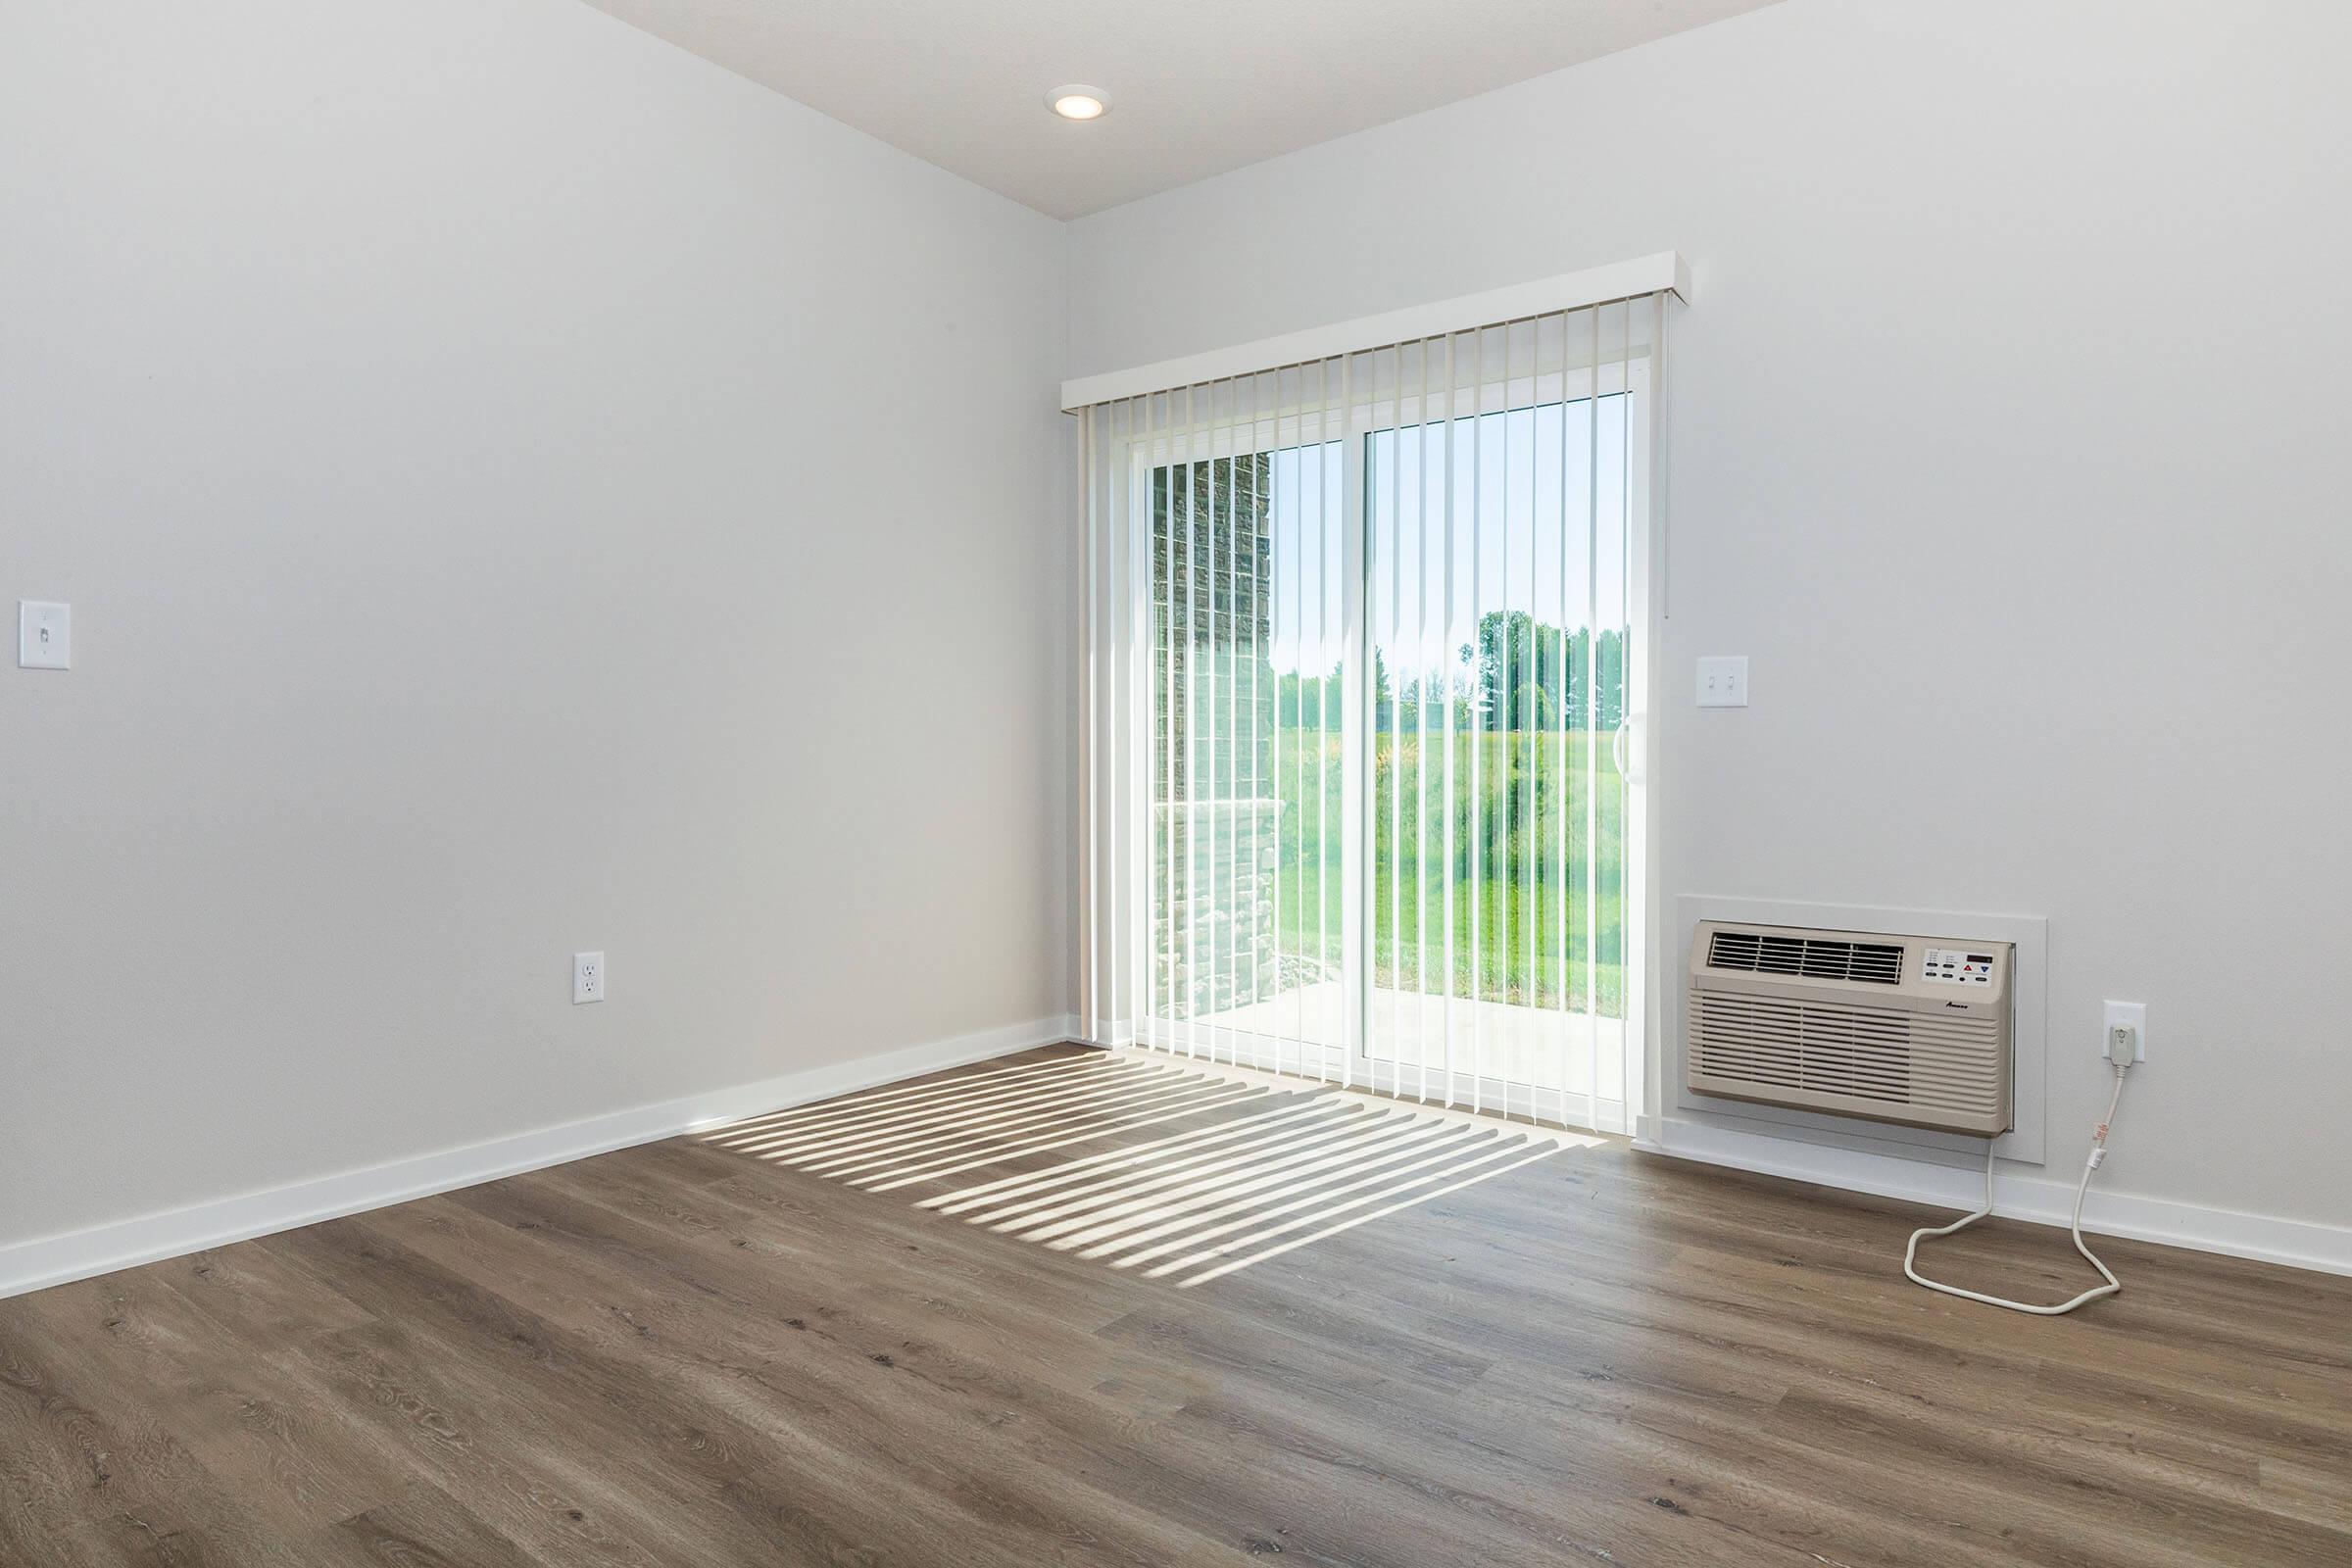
[1810, 957]
[1799, 1045]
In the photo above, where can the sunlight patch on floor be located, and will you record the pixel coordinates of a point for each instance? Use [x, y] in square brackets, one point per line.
[1266, 1164]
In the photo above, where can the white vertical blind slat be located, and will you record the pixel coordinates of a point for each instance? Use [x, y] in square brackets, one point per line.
[1089, 742]
[1593, 724]
[1207, 824]
[1132, 641]
[1562, 676]
[1393, 558]
[1505, 696]
[1322, 697]
[1422, 666]
[1273, 482]
[1527, 733]
[1170, 635]
[1445, 654]
[1620, 435]
[1478, 740]
[1247, 450]
[1190, 666]
[1356, 794]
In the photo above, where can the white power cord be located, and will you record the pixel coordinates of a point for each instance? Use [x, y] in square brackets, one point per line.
[2122, 1048]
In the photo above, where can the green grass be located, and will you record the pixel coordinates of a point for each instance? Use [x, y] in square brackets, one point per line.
[1509, 874]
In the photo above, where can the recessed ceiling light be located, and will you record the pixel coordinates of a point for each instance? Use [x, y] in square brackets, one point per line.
[1077, 101]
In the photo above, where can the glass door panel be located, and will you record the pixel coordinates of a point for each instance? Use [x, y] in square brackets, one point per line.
[1497, 620]
[1247, 757]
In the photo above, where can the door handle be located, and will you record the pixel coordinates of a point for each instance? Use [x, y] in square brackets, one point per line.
[1621, 749]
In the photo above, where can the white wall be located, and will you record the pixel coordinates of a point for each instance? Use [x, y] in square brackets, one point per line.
[2010, 441]
[520, 488]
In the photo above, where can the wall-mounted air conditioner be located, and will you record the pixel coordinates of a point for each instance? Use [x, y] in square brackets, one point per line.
[1913, 1030]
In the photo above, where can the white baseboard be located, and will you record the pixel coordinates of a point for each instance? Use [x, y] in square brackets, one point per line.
[124, 1244]
[2297, 1244]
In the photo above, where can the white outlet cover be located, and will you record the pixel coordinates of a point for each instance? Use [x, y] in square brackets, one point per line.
[2135, 1013]
[44, 635]
[1723, 681]
[587, 977]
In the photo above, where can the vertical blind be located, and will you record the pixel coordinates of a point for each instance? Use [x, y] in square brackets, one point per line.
[1362, 650]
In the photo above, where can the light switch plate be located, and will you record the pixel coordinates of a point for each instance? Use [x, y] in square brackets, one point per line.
[44, 635]
[1723, 681]
[587, 977]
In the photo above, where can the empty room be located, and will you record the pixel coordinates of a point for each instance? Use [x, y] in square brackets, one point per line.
[1379, 783]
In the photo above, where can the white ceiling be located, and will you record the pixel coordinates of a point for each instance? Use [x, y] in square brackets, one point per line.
[1197, 86]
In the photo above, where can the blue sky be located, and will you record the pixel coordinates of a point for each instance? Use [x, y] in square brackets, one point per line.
[1520, 495]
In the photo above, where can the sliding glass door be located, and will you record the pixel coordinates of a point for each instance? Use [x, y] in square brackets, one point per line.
[1389, 606]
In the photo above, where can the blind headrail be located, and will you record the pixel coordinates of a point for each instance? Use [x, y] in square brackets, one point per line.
[1662, 273]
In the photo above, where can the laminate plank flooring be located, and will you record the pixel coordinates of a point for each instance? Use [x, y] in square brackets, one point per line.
[1073, 1310]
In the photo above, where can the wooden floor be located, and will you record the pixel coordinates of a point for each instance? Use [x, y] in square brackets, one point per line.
[1486, 1351]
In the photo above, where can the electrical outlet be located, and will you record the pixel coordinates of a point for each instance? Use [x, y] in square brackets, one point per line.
[587, 977]
[2132, 1016]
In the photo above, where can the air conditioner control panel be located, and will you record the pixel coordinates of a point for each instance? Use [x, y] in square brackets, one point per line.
[1956, 966]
